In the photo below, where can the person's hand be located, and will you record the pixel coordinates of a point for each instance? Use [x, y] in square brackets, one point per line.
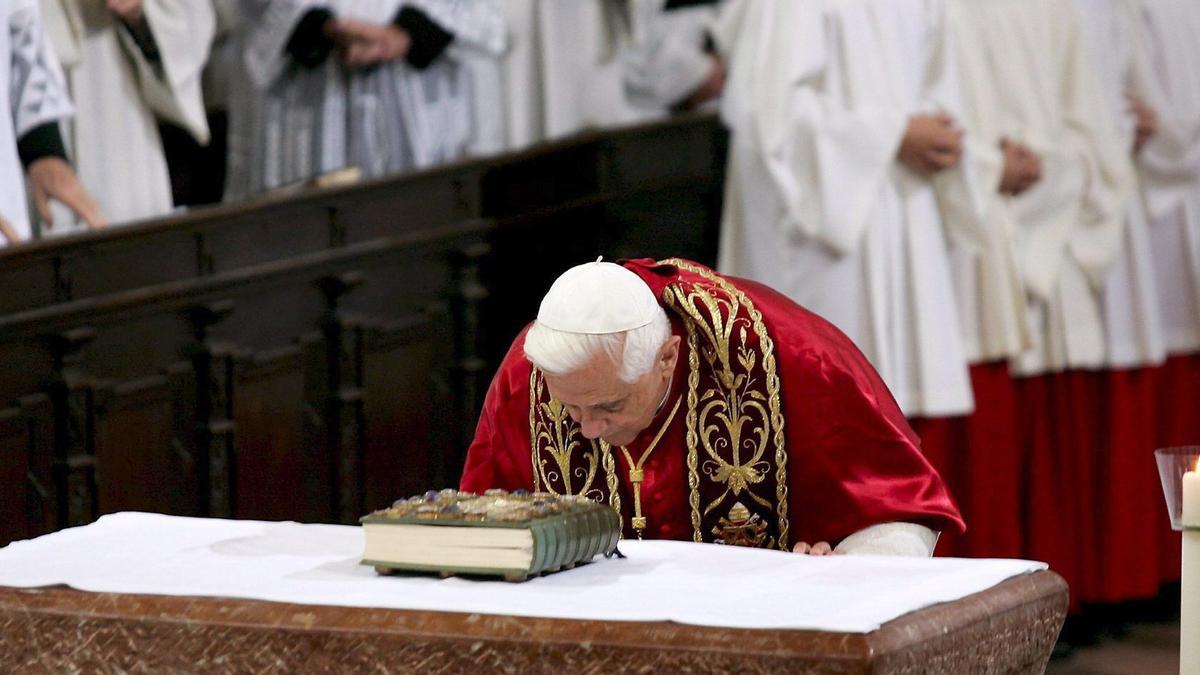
[931, 143]
[1147, 121]
[711, 88]
[819, 548]
[130, 11]
[362, 44]
[52, 178]
[1022, 168]
[9, 232]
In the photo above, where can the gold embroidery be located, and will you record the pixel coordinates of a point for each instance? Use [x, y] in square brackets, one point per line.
[740, 528]
[552, 431]
[614, 496]
[535, 391]
[692, 434]
[732, 422]
[738, 417]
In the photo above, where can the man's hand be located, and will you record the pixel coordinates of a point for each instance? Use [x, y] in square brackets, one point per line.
[9, 232]
[1022, 168]
[711, 88]
[130, 11]
[1147, 121]
[363, 44]
[819, 548]
[52, 178]
[931, 143]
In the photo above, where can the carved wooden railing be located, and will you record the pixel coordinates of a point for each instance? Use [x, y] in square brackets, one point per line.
[313, 357]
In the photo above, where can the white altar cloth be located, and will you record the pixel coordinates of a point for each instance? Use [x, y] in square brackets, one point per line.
[689, 583]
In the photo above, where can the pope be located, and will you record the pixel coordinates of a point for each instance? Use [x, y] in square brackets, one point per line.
[706, 408]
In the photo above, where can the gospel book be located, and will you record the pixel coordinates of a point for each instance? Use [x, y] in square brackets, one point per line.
[510, 534]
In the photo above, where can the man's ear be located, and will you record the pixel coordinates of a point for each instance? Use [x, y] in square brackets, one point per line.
[669, 354]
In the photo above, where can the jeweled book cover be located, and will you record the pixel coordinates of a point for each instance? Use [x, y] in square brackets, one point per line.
[513, 535]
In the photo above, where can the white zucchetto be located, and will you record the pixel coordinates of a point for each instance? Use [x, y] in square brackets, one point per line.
[597, 298]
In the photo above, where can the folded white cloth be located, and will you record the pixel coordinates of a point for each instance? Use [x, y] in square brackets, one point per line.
[700, 584]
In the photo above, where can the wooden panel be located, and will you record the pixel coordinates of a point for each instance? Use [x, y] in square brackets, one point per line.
[41, 506]
[274, 451]
[267, 234]
[526, 258]
[265, 317]
[16, 447]
[403, 409]
[401, 284]
[93, 263]
[145, 455]
[688, 150]
[28, 366]
[635, 226]
[130, 263]
[132, 347]
[539, 181]
[408, 203]
[28, 283]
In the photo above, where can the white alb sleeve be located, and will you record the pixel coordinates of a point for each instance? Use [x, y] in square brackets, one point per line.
[906, 539]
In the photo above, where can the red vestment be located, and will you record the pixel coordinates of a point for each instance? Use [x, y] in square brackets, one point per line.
[846, 456]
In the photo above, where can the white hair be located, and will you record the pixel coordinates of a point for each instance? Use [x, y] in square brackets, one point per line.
[559, 352]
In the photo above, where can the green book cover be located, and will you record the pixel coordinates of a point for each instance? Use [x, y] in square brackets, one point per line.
[514, 535]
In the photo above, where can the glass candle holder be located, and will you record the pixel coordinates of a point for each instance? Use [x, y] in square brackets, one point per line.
[1172, 464]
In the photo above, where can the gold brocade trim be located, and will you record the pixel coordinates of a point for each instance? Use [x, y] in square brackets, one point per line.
[750, 420]
[693, 434]
[554, 433]
[614, 494]
[535, 390]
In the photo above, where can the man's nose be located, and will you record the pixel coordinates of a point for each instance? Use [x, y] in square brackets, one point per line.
[592, 426]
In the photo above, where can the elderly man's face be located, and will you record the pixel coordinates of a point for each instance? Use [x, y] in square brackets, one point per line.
[607, 407]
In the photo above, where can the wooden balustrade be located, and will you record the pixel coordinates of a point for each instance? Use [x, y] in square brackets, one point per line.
[316, 356]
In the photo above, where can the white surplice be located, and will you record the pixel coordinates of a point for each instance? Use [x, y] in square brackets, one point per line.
[1028, 78]
[987, 277]
[33, 92]
[289, 123]
[119, 93]
[1132, 320]
[1169, 165]
[818, 207]
[562, 71]
[666, 60]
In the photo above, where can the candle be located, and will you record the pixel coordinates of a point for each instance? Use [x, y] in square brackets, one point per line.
[1189, 610]
[1191, 498]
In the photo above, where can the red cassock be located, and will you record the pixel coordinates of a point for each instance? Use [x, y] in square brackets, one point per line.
[783, 433]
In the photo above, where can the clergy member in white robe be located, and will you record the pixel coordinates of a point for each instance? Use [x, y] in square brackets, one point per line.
[1133, 323]
[987, 278]
[130, 63]
[385, 86]
[562, 69]
[1169, 164]
[670, 63]
[33, 95]
[841, 112]
[1028, 81]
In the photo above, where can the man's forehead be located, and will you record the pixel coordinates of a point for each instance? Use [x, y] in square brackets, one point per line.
[579, 388]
